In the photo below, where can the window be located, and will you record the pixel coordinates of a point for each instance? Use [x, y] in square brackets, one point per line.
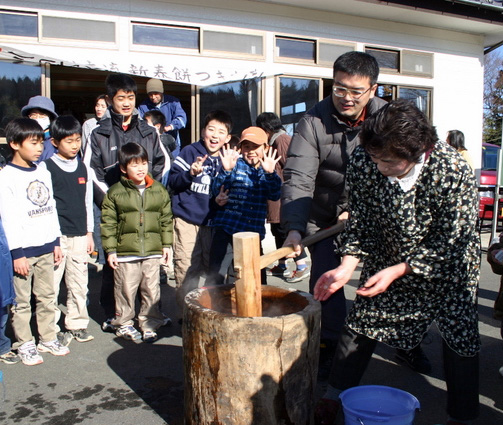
[329, 52]
[417, 63]
[240, 99]
[404, 62]
[166, 36]
[18, 24]
[387, 59]
[294, 48]
[248, 44]
[421, 97]
[77, 29]
[18, 82]
[296, 96]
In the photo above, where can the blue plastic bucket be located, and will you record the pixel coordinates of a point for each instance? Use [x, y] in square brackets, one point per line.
[378, 405]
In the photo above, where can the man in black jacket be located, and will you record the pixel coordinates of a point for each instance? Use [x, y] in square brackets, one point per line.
[122, 126]
[314, 195]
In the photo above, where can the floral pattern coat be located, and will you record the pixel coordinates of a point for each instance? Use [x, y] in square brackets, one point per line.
[433, 228]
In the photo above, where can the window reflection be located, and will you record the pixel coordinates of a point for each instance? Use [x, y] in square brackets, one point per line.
[297, 95]
[17, 84]
[239, 99]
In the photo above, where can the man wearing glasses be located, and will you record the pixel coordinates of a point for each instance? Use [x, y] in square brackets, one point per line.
[314, 195]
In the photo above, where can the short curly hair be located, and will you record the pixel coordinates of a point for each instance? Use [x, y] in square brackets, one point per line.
[399, 129]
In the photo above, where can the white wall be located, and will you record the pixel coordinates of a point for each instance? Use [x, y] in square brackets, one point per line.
[458, 57]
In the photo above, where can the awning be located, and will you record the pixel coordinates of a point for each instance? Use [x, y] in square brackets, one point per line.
[200, 71]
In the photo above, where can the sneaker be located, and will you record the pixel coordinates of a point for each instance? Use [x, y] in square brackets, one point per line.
[10, 358]
[53, 347]
[81, 335]
[415, 359]
[29, 354]
[298, 275]
[64, 338]
[326, 411]
[129, 332]
[107, 326]
[276, 271]
[149, 336]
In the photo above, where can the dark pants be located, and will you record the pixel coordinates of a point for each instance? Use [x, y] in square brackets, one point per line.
[221, 255]
[333, 310]
[107, 298]
[354, 352]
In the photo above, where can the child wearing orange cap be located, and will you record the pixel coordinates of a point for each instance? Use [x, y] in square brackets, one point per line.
[243, 187]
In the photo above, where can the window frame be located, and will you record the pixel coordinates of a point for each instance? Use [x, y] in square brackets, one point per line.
[401, 53]
[230, 54]
[163, 49]
[21, 37]
[70, 42]
[317, 41]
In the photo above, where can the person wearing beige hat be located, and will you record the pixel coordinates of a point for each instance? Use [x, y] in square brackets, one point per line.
[170, 106]
[248, 182]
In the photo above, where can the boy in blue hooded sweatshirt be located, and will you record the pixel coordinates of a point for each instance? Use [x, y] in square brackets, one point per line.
[192, 201]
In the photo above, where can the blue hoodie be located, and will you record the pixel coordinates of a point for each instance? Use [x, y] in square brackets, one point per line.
[191, 197]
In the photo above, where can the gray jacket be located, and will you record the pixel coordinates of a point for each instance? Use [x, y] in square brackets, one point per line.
[314, 194]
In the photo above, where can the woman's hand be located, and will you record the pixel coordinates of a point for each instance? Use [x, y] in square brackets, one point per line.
[335, 279]
[380, 282]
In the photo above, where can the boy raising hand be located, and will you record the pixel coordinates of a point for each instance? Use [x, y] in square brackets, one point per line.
[250, 181]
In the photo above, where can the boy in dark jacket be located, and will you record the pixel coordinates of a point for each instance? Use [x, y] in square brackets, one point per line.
[136, 231]
[122, 127]
[190, 181]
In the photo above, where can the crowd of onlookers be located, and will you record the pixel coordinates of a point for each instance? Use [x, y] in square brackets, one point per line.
[119, 186]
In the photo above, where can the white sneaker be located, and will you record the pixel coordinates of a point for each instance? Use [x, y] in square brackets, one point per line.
[29, 354]
[54, 347]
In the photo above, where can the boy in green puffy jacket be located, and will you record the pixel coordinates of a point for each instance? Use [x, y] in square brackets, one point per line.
[136, 231]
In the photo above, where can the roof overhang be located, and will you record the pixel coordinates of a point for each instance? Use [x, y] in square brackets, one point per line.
[484, 17]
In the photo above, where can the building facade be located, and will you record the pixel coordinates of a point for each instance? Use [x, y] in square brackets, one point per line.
[248, 57]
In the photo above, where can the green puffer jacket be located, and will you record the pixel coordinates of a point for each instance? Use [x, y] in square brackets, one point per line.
[136, 224]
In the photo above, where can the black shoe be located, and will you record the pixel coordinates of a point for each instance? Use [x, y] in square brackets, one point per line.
[415, 359]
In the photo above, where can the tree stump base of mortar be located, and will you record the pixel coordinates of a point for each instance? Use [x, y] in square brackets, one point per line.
[250, 370]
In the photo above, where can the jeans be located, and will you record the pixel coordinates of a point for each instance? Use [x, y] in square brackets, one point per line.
[5, 343]
[221, 255]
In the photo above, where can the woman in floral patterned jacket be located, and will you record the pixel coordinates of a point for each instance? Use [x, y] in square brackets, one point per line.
[413, 222]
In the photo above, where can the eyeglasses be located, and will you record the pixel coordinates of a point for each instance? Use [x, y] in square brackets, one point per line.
[340, 91]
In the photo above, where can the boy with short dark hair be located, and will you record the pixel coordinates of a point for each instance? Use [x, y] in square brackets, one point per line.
[246, 183]
[73, 191]
[190, 181]
[30, 220]
[123, 126]
[136, 231]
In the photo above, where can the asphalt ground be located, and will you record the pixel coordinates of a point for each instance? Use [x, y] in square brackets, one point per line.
[113, 381]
